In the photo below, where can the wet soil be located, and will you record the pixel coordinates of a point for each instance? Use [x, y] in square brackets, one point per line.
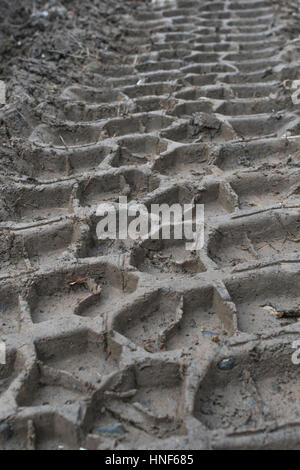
[122, 344]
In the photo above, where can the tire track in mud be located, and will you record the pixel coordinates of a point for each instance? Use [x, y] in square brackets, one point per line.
[115, 344]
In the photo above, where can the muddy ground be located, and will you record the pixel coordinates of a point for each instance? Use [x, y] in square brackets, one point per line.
[122, 344]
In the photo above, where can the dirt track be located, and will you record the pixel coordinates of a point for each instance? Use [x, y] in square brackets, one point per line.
[146, 345]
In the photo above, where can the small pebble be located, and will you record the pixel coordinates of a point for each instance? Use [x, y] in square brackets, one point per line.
[227, 364]
[209, 333]
[114, 429]
[6, 431]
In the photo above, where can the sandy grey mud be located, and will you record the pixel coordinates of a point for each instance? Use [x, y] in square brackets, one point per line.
[121, 344]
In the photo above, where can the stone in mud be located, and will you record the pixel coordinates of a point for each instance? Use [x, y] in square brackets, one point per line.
[117, 428]
[5, 431]
[227, 364]
[209, 333]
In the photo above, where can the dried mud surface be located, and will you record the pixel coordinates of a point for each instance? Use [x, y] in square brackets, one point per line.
[141, 345]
